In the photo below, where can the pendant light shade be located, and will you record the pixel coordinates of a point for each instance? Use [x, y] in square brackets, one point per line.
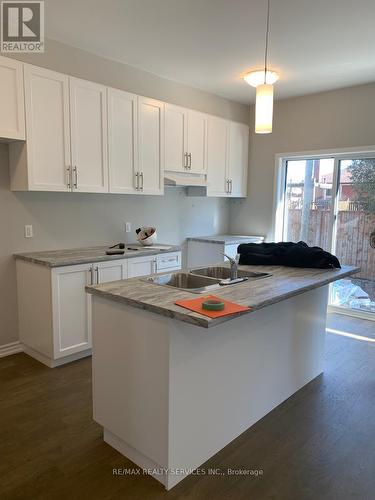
[263, 80]
[264, 109]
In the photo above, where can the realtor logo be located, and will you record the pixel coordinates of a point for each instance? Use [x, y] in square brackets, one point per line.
[22, 26]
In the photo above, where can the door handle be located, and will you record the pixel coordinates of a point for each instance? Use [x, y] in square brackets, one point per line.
[141, 176]
[69, 183]
[137, 181]
[75, 171]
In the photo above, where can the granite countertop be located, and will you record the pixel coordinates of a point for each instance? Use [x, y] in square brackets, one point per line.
[70, 257]
[225, 239]
[284, 283]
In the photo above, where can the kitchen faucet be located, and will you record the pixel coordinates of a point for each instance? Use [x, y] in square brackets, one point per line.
[233, 266]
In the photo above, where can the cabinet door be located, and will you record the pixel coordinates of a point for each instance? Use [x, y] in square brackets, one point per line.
[122, 141]
[12, 115]
[176, 119]
[217, 157]
[151, 138]
[71, 307]
[88, 110]
[168, 262]
[48, 137]
[141, 266]
[238, 159]
[197, 142]
[110, 271]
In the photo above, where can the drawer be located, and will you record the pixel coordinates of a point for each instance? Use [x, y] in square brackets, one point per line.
[168, 261]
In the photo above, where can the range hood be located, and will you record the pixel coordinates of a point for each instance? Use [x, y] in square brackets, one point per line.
[182, 179]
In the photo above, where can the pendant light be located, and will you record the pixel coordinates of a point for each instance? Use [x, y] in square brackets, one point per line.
[263, 80]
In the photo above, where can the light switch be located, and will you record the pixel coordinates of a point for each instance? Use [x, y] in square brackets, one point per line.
[29, 232]
[128, 227]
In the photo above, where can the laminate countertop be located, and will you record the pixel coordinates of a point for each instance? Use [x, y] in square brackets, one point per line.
[70, 257]
[284, 283]
[227, 239]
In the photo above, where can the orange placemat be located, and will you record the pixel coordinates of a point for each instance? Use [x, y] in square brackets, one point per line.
[196, 306]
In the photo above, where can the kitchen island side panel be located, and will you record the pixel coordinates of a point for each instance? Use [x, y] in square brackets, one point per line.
[225, 379]
[130, 363]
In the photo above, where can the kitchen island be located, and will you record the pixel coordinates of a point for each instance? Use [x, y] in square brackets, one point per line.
[172, 387]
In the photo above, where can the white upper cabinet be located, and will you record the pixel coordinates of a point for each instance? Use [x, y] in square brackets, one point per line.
[217, 156]
[238, 159]
[88, 122]
[197, 141]
[151, 146]
[186, 139]
[48, 131]
[176, 138]
[123, 141]
[12, 111]
[85, 137]
[227, 158]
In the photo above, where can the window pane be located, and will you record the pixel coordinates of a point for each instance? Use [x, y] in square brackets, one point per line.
[308, 201]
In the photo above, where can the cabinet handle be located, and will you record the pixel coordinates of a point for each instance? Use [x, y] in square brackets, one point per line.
[227, 190]
[137, 181]
[92, 275]
[230, 186]
[141, 176]
[97, 276]
[75, 170]
[189, 156]
[185, 160]
[69, 183]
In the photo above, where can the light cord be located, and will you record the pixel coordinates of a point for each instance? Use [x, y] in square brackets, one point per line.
[267, 36]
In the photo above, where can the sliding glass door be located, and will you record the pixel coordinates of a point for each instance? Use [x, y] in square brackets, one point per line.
[355, 234]
[330, 203]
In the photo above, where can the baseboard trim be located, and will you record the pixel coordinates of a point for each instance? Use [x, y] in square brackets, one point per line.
[11, 348]
[53, 363]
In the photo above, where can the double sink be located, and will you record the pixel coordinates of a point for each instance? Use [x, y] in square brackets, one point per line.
[205, 279]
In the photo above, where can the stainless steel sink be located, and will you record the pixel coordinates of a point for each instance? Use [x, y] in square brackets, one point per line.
[186, 281]
[223, 273]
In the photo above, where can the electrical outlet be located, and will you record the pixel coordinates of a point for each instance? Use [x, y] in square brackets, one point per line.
[128, 227]
[29, 232]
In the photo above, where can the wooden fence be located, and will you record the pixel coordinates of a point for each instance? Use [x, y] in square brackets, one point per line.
[352, 242]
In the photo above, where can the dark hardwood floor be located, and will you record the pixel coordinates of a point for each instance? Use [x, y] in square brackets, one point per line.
[319, 444]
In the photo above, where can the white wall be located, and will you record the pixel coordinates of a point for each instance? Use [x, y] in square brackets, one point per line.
[337, 119]
[66, 220]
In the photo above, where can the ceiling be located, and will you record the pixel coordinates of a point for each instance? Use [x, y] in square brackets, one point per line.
[315, 45]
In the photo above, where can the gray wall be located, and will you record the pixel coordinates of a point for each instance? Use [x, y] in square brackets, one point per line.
[66, 220]
[337, 119]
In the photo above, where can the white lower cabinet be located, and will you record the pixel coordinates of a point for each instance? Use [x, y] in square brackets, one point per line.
[114, 270]
[153, 264]
[71, 310]
[141, 266]
[55, 310]
[208, 253]
[72, 305]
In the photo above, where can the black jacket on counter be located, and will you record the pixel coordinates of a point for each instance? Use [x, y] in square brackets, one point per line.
[286, 254]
